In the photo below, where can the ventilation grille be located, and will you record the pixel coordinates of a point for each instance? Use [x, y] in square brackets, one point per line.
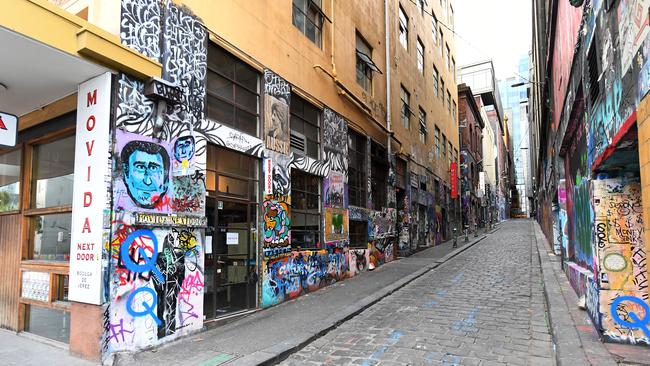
[298, 141]
[592, 59]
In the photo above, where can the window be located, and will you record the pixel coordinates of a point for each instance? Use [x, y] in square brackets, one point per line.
[308, 18]
[447, 58]
[305, 210]
[379, 175]
[451, 16]
[420, 5]
[420, 56]
[434, 28]
[357, 168]
[444, 147]
[442, 90]
[52, 182]
[10, 180]
[435, 81]
[406, 110]
[232, 174]
[454, 110]
[403, 29]
[453, 67]
[423, 126]
[448, 101]
[449, 149]
[442, 36]
[358, 234]
[232, 89]
[305, 127]
[365, 65]
[437, 142]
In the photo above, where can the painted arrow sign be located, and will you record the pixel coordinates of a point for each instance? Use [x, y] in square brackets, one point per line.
[8, 129]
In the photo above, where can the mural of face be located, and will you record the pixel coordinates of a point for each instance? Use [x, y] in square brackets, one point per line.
[145, 166]
[184, 149]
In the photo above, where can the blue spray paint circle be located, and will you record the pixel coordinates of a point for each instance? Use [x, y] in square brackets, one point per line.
[636, 322]
[148, 308]
[149, 262]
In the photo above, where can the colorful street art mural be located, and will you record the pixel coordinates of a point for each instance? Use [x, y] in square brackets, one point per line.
[301, 272]
[155, 276]
[336, 224]
[603, 208]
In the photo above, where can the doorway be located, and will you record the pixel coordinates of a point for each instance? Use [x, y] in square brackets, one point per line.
[231, 245]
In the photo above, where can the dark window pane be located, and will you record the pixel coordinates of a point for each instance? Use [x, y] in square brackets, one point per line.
[220, 86]
[221, 61]
[51, 237]
[246, 122]
[247, 76]
[246, 99]
[311, 132]
[298, 19]
[312, 150]
[48, 323]
[221, 111]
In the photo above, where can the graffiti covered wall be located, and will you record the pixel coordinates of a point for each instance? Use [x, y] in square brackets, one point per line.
[622, 267]
[155, 286]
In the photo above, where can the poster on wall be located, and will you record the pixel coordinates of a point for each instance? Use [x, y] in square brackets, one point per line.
[454, 181]
[89, 198]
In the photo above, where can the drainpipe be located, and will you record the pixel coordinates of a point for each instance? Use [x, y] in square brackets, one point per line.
[332, 38]
[387, 45]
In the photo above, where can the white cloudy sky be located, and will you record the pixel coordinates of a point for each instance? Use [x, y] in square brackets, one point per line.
[496, 29]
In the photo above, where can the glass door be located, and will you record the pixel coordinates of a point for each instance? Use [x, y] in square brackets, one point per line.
[231, 261]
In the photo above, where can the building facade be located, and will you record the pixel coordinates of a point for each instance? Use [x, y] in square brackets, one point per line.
[200, 164]
[590, 62]
[480, 77]
[471, 158]
[514, 91]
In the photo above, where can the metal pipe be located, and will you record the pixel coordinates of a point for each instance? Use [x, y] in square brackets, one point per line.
[388, 106]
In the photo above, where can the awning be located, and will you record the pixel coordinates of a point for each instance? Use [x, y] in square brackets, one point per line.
[368, 61]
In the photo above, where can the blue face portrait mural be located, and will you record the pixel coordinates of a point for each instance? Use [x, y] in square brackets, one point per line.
[145, 167]
[184, 149]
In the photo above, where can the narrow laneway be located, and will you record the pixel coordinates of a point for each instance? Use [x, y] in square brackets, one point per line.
[484, 307]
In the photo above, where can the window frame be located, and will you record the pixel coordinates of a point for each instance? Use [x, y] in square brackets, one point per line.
[423, 125]
[434, 27]
[403, 27]
[299, 211]
[236, 106]
[319, 13]
[405, 108]
[420, 55]
[437, 142]
[379, 175]
[357, 192]
[293, 114]
[436, 76]
[366, 81]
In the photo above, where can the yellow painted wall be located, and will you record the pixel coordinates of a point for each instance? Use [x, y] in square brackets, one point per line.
[643, 122]
[420, 86]
[264, 31]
